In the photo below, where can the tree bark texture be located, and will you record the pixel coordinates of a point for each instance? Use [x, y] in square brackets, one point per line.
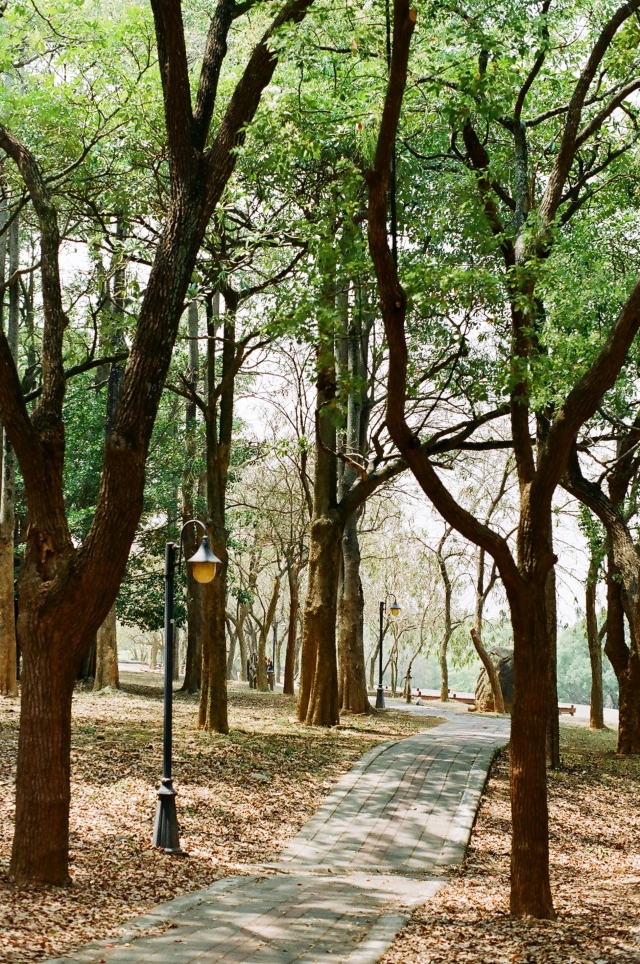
[8, 651]
[242, 641]
[318, 699]
[231, 649]
[352, 683]
[263, 638]
[193, 667]
[625, 666]
[87, 669]
[213, 694]
[292, 630]
[596, 708]
[107, 675]
[318, 702]
[219, 431]
[482, 594]
[623, 589]
[373, 662]
[553, 716]
[42, 783]
[530, 887]
[353, 355]
[447, 630]
[492, 672]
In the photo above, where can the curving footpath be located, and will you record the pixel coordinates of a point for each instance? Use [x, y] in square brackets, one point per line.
[348, 882]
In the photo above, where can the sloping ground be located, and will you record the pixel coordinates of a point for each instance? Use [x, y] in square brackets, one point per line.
[595, 854]
[242, 797]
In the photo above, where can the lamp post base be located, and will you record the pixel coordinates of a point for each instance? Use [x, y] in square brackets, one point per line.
[380, 698]
[166, 831]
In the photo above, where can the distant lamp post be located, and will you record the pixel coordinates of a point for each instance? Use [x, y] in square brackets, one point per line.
[203, 566]
[394, 609]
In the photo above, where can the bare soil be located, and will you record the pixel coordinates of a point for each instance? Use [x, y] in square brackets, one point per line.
[595, 871]
[241, 798]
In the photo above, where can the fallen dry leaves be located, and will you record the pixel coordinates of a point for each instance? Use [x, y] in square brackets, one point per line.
[595, 867]
[241, 798]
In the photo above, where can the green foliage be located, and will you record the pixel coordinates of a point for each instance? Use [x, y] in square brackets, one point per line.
[574, 669]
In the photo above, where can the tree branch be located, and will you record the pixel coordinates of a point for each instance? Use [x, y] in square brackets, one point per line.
[584, 398]
[85, 366]
[174, 71]
[564, 159]
[393, 303]
[48, 417]
[596, 122]
[214, 54]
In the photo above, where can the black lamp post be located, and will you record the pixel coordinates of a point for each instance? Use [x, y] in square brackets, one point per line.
[203, 566]
[394, 609]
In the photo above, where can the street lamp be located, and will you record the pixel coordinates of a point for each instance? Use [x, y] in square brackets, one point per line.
[203, 566]
[394, 609]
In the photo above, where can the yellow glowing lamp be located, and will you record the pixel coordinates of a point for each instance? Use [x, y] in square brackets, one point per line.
[203, 562]
[394, 608]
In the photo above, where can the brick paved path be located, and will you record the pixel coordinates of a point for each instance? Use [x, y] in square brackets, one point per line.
[347, 883]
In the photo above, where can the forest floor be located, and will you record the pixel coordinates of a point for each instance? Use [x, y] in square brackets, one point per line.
[594, 802]
[241, 798]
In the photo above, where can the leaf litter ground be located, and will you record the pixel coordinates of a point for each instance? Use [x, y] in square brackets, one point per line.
[594, 807]
[241, 798]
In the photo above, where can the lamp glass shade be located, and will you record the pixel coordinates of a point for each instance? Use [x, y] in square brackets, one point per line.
[394, 608]
[203, 562]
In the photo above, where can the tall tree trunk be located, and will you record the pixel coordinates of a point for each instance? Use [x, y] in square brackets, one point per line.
[530, 887]
[263, 684]
[193, 668]
[353, 353]
[107, 638]
[373, 662]
[153, 658]
[318, 702]
[625, 665]
[213, 695]
[278, 660]
[107, 674]
[596, 709]
[447, 630]
[87, 670]
[219, 430]
[553, 717]
[318, 694]
[44, 742]
[352, 683]
[231, 649]
[3, 264]
[8, 652]
[242, 640]
[482, 594]
[623, 580]
[293, 576]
